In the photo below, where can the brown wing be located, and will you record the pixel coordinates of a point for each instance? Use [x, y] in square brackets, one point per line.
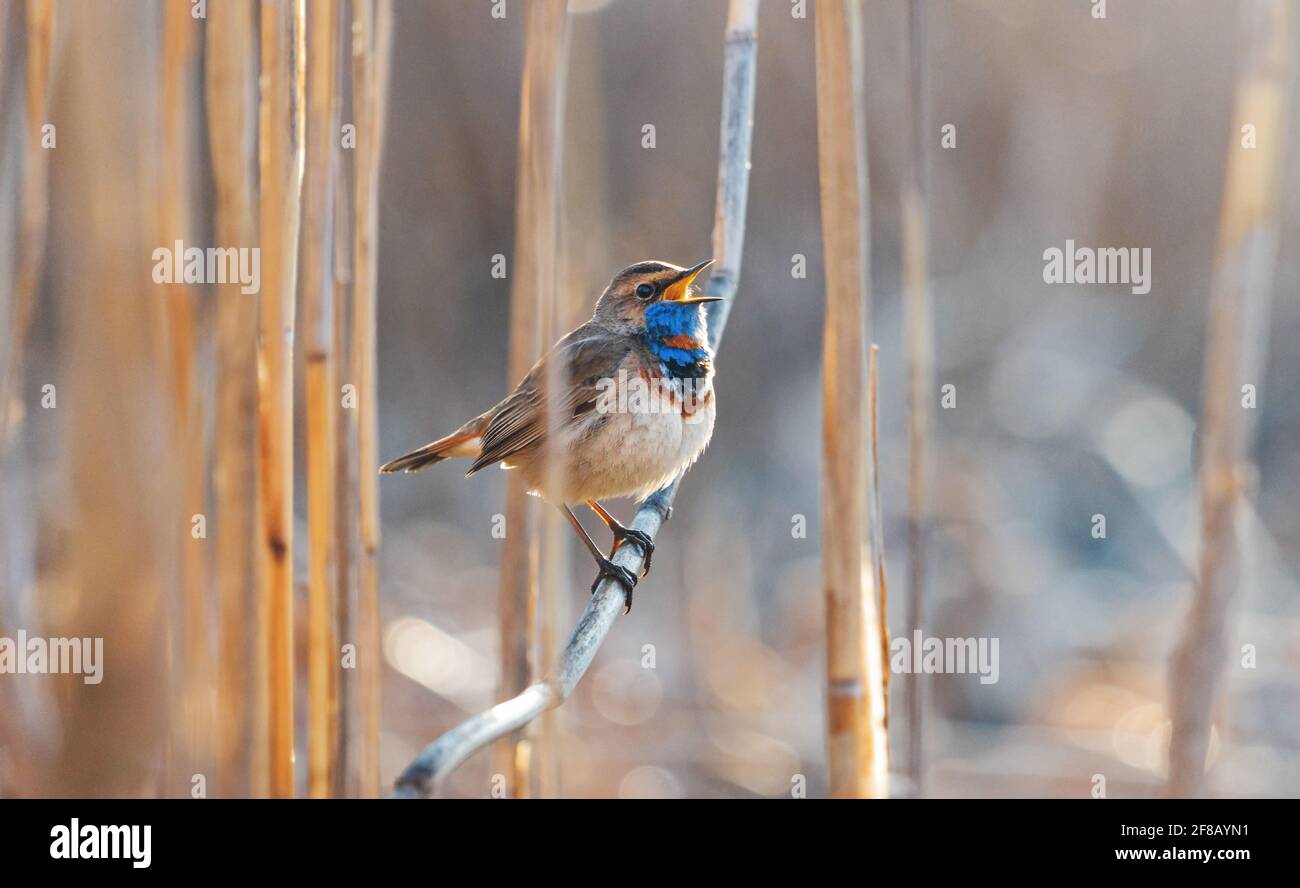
[587, 355]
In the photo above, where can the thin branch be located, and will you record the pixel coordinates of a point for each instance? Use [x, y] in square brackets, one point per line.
[1235, 344]
[438, 759]
[857, 754]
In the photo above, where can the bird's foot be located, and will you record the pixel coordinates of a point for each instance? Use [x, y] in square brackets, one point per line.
[621, 574]
[640, 537]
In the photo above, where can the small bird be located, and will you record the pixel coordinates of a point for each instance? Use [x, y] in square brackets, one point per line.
[633, 407]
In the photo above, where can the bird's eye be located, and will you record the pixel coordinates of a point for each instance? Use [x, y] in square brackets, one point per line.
[644, 291]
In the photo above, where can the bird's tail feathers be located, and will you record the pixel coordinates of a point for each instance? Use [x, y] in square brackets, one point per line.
[465, 441]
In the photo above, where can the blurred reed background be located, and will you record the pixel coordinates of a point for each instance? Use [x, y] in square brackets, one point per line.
[1071, 401]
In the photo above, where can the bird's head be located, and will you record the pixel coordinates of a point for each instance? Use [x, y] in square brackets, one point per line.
[660, 288]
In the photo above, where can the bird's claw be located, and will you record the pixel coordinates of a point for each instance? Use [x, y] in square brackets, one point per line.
[641, 538]
[621, 574]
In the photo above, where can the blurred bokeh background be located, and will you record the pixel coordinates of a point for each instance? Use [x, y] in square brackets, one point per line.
[1071, 401]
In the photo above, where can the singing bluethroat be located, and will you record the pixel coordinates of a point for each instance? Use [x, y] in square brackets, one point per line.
[632, 410]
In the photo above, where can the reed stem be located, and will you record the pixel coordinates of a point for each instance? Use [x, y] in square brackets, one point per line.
[230, 78]
[1236, 341]
[322, 401]
[858, 755]
[919, 336]
[372, 31]
[281, 165]
[35, 204]
[532, 291]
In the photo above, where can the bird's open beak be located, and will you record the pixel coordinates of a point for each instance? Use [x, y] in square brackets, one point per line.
[679, 290]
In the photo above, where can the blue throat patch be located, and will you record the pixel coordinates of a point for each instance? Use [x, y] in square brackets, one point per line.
[666, 321]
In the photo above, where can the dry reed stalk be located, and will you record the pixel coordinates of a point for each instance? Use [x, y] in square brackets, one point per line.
[439, 758]
[579, 260]
[281, 163]
[35, 204]
[18, 309]
[858, 756]
[194, 713]
[878, 520]
[1236, 340]
[14, 577]
[555, 577]
[532, 299]
[584, 207]
[231, 81]
[119, 471]
[322, 399]
[919, 336]
[372, 27]
[30, 251]
[179, 53]
[346, 465]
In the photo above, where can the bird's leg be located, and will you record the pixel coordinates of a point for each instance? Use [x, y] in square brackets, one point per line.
[621, 533]
[607, 568]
